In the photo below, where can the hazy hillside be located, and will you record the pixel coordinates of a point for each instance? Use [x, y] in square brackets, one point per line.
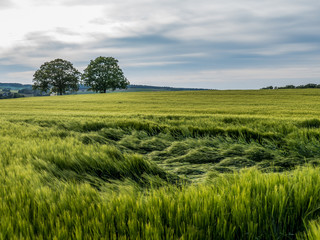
[131, 88]
[15, 86]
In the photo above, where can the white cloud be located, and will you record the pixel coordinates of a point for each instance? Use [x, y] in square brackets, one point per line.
[264, 73]
[24, 19]
[245, 21]
[245, 38]
[278, 49]
[21, 77]
[5, 4]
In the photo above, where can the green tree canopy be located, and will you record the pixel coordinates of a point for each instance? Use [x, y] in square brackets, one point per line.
[103, 73]
[56, 76]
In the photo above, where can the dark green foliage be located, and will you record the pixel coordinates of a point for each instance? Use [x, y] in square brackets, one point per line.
[141, 142]
[199, 155]
[131, 142]
[258, 154]
[288, 163]
[56, 76]
[104, 74]
[238, 162]
[111, 133]
[8, 95]
[269, 87]
[289, 87]
[149, 127]
[234, 150]
[93, 126]
[190, 171]
[178, 149]
[154, 144]
[309, 85]
[104, 166]
[310, 123]
[94, 138]
[26, 91]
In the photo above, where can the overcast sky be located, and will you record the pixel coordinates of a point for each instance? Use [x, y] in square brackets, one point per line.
[217, 44]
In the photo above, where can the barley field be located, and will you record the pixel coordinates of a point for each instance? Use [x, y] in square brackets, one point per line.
[161, 165]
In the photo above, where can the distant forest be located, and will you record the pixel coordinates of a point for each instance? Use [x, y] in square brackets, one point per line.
[309, 85]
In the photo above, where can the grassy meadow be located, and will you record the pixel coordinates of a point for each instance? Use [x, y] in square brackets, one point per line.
[161, 165]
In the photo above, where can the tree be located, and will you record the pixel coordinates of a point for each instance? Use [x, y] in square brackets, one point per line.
[103, 73]
[269, 87]
[56, 76]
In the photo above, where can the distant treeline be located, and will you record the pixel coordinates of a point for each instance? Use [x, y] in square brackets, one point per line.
[17, 90]
[10, 90]
[309, 85]
[10, 95]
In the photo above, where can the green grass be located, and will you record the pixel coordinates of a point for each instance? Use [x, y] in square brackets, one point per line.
[175, 165]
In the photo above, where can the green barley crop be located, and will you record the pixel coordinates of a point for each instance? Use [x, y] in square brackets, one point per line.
[161, 165]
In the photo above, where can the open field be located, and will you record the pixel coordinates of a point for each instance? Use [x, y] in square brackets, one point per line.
[175, 165]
